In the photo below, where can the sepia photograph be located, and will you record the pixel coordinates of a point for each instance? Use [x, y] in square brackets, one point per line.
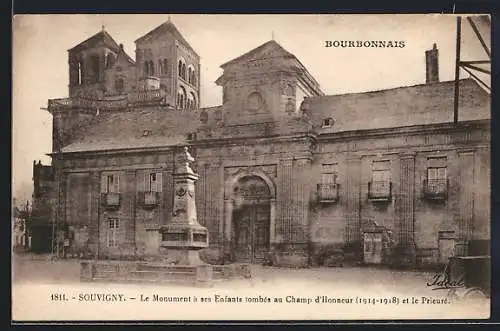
[257, 167]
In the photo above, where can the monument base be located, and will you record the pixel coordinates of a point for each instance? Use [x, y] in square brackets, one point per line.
[184, 256]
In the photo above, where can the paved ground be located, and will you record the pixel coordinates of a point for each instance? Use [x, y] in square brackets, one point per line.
[41, 269]
[32, 273]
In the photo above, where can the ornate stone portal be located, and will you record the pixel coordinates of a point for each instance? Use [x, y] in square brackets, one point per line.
[183, 236]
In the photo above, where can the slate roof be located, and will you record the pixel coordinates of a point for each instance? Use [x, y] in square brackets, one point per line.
[399, 107]
[102, 36]
[164, 28]
[268, 50]
[402, 106]
[135, 129]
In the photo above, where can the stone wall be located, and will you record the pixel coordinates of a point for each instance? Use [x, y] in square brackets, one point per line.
[416, 222]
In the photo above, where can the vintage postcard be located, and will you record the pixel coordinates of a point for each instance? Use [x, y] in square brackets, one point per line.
[251, 167]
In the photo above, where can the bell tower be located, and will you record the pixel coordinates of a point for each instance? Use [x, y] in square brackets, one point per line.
[88, 62]
[166, 61]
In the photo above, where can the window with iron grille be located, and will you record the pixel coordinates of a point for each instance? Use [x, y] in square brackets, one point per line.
[112, 232]
[437, 178]
[327, 189]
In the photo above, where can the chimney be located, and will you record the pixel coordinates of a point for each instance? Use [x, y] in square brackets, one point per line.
[432, 65]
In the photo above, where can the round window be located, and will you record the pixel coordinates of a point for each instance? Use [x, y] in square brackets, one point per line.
[254, 101]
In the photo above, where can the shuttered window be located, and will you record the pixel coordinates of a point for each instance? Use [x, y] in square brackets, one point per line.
[110, 183]
[151, 182]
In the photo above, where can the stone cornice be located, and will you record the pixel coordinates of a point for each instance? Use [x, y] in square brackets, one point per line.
[415, 129]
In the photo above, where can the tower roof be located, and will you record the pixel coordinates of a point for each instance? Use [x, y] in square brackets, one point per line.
[101, 37]
[165, 28]
[268, 49]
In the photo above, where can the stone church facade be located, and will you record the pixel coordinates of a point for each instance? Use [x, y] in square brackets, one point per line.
[288, 176]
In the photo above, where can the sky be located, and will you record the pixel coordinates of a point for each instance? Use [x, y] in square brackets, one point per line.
[40, 60]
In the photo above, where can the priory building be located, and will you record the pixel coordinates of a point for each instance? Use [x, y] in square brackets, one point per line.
[289, 176]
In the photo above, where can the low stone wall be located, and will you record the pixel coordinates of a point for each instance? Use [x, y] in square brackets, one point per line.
[127, 271]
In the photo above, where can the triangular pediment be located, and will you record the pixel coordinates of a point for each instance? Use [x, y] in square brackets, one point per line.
[270, 49]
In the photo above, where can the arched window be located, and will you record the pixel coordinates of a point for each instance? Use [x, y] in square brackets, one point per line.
[95, 68]
[183, 71]
[181, 98]
[193, 79]
[190, 74]
[191, 101]
[110, 60]
[179, 68]
[119, 84]
[290, 106]
[79, 67]
[192, 97]
[165, 66]
[290, 91]
[160, 67]
[146, 68]
[151, 68]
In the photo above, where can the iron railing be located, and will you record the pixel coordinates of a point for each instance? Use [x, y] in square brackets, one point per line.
[380, 191]
[436, 189]
[111, 200]
[328, 193]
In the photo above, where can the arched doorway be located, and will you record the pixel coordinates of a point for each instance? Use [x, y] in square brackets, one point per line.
[251, 219]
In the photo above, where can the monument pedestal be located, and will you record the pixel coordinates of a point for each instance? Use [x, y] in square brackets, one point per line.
[183, 237]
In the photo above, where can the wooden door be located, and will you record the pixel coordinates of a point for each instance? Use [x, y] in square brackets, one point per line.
[372, 247]
[260, 232]
[252, 234]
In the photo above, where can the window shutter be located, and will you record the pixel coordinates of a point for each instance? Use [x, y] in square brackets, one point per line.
[442, 173]
[152, 180]
[104, 183]
[117, 183]
[159, 181]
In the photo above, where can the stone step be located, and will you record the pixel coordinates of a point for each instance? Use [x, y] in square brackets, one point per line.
[179, 281]
[163, 274]
[165, 268]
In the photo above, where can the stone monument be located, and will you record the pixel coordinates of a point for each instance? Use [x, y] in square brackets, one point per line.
[183, 237]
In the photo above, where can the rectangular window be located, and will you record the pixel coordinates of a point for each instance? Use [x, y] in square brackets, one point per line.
[153, 182]
[112, 232]
[381, 178]
[436, 175]
[110, 183]
[329, 173]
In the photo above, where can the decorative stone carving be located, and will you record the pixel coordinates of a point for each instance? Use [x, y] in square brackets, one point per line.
[269, 170]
